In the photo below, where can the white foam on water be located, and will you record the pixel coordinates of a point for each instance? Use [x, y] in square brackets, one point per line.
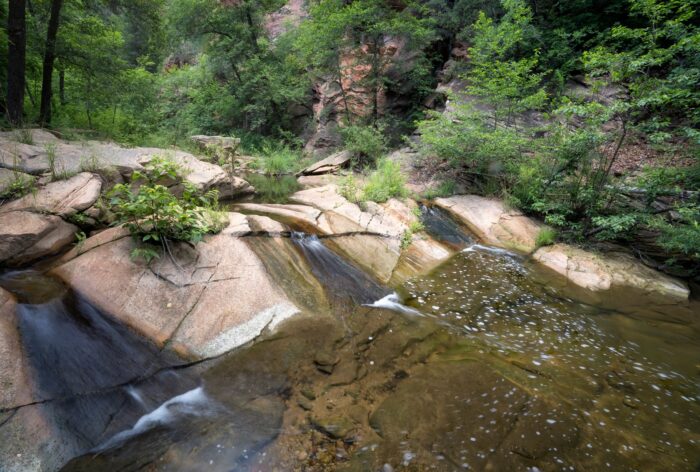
[136, 395]
[481, 247]
[193, 402]
[391, 302]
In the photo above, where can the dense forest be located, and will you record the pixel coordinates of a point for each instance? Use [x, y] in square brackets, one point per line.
[583, 112]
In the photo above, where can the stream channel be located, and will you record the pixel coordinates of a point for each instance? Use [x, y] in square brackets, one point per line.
[486, 363]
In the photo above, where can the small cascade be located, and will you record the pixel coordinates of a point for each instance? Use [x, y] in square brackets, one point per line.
[340, 278]
[443, 228]
[84, 364]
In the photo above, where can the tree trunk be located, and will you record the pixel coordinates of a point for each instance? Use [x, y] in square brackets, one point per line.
[17, 51]
[62, 86]
[49, 58]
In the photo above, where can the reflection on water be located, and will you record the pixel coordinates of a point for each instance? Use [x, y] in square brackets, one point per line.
[272, 188]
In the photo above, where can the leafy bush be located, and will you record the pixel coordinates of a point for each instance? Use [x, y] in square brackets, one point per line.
[445, 189]
[385, 182]
[366, 143]
[683, 237]
[154, 215]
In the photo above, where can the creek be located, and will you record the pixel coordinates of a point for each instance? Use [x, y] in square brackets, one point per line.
[486, 363]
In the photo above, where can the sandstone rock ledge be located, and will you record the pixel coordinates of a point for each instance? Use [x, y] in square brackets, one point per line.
[201, 303]
[601, 272]
[492, 222]
[370, 235]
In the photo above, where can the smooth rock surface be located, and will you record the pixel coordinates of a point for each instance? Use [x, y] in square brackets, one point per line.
[598, 272]
[329, 165]
[370, 236]
[15, 388]
[217, 296]
[26, 236]
[63, 197]
[492, 222]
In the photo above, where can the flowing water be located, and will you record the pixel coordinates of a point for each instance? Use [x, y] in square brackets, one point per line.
[484, 364]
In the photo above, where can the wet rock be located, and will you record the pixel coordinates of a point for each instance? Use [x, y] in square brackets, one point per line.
[602, 272]
[63, 197]
[15, 388]
[335, 427]
[213, 299]
[329, 165]
[25, 236]
[492, 222]
[325, 361]
[370, 236]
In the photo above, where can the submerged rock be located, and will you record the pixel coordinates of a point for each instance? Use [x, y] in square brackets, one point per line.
[598, 272]
[492, 222]
[26, 236]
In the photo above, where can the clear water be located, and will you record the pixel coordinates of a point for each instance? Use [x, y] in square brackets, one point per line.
[476, 366]
[487, 363]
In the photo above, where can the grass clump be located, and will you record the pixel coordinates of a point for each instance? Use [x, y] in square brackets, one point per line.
[24, 135]
[546, 237]
[155, 216]
[385, 182]
[20, 186]
[278, 160]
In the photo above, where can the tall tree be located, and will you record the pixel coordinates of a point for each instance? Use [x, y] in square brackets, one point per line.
[49, 58]
[17, 37]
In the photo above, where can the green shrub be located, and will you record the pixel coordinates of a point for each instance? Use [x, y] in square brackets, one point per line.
[366, 143]
[154, 215]
[276, 160]
[385, 182]
[350, 189]
[20, 186]
[445, 189]
[683, 237]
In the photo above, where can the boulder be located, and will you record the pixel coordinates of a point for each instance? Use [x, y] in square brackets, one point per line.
[602, 272]
[492, 222]
[200, 302]
[72, 157]
[26, 236]
[370, 236]
[329, 165]
[63, 198]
